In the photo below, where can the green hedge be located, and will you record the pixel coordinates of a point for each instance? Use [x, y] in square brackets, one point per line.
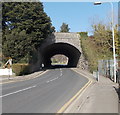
[20, 69]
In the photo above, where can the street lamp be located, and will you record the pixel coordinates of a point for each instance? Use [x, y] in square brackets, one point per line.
[113, 36]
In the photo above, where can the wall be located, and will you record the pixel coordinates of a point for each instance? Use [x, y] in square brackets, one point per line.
[5, 71]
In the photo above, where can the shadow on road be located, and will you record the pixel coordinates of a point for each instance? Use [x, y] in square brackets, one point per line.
[57, 67]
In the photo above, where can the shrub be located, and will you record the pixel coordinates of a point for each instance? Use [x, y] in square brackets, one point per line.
[21, 69]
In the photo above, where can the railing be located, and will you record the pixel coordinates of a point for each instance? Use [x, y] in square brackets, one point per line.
[106, 68]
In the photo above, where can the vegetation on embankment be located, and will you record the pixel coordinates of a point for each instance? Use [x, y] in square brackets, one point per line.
[99, 46]
[93, 53]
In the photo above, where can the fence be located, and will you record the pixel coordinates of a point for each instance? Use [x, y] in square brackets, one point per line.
[106, 68]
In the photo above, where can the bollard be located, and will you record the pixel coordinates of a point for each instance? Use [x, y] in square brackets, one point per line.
[96, 75]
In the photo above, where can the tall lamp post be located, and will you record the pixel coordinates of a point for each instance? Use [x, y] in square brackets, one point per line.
[113, 36]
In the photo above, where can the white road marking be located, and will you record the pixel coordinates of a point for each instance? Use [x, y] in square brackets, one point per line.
[56, 77]
[60, 72]
[51, 80]
[47, 81]
[18, 91]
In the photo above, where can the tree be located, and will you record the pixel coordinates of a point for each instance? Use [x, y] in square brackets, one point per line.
[83, 34]
[103, 38]
[64, 28]
[17, 48]
[25, 25]
[117, 41]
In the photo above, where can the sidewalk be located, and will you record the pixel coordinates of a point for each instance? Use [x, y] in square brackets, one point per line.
[4, 79]
[100, 97]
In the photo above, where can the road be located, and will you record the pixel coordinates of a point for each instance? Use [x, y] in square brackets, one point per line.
[44, 94]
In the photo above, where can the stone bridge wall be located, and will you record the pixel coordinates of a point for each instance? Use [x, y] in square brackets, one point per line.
[70, 38]
[73, 39]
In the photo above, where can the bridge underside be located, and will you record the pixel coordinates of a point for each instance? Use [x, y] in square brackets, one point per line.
[66, 49]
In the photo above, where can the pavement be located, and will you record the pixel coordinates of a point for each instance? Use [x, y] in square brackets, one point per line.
[100, 97]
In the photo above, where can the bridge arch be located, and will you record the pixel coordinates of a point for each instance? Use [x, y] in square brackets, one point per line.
[66, 49]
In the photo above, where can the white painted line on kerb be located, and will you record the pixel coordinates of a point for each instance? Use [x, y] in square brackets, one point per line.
[18, 91]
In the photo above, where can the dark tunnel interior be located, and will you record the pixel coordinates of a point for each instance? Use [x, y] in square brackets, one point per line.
[66, 49]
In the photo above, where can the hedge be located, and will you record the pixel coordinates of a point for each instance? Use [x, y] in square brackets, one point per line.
[20, 69]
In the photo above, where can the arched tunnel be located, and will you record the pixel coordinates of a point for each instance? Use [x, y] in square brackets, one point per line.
[66, 49]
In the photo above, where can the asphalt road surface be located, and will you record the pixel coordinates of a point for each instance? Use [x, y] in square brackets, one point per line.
[44, 94]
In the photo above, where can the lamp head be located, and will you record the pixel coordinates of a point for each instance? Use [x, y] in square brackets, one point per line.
[97, 3]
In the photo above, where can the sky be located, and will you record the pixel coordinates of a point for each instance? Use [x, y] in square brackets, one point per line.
[79, 15]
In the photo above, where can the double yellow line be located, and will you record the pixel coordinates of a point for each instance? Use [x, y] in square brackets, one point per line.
[64, 107]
